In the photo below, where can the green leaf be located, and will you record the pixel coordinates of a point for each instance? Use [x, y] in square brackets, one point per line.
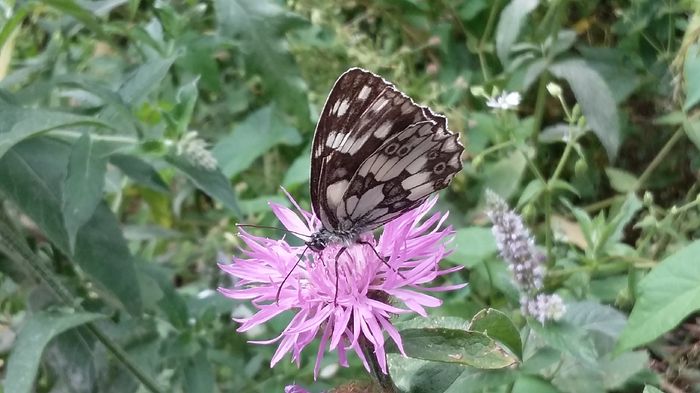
[260, 26]
[567, 338]
[17, 123]
[503, 177]
[199, 374]
[651, 389]
[692, 129]
[136, 87]
[75, 10]
[532, 384]
[139, 171]
[613, 231]
[596, 100]
[621, 180]
[299, 172]
[668, 294]
[509, 25]
[472, 245]
[213, 182]
[82, 187]
[533, 189]
[498, 326]
[691, 76]
[36, 333]
[421, 376]
[456, 346]
[37, 167]
[259, 132]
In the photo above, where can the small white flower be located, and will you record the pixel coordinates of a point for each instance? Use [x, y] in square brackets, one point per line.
[195, 150]
[504, 101]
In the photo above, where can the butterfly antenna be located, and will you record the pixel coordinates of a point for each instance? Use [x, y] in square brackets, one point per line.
[279, 289]
[269, 227]
[384, 260]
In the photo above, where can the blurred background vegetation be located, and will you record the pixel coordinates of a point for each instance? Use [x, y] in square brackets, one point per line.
[114, 212]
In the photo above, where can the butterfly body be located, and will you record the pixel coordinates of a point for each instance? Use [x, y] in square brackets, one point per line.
[376, 154]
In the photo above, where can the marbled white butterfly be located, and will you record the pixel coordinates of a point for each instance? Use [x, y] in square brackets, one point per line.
[376, 154]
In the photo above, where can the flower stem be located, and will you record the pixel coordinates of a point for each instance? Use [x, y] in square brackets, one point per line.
[384, 380]
[14, 246]
[659, 158]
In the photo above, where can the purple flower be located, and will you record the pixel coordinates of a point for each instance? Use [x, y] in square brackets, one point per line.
[295, 389]
[369, 291]
[525, 260]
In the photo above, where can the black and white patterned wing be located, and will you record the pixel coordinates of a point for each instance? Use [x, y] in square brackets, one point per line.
[362, 111]
[401, 174]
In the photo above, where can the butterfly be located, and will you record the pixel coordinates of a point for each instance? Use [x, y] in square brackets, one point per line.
[376, 154]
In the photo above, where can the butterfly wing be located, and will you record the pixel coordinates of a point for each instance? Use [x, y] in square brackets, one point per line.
[401, 174]
[362, 111]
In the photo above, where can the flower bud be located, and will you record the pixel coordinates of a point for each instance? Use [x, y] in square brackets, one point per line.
[554, 89]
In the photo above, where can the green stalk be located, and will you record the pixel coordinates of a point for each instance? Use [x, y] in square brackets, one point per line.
[15, 247]
[660, 157]
[384, 380]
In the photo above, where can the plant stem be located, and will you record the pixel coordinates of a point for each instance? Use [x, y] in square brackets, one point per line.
[384, 380]
[659, 158]
[15, 247]
[539, 106]
[495, 5]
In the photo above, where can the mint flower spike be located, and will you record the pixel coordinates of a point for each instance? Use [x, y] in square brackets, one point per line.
[525, 261]
[369, 291]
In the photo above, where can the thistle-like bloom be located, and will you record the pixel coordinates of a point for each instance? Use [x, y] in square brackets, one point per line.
[368, 292]
[525, 260]
[504, 101]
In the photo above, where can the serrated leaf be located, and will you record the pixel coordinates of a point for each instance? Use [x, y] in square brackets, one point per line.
[595, 99]
[621, 180]
[36, 333]
[139, 171]
[669, 293]
[498, 326]
[455, 346]
[509, 25]
[82, 187]
[691, 76]
[260, 27]
[260, 131]
[472, 245]
[37, 167]
[17, 123]
[212, 182]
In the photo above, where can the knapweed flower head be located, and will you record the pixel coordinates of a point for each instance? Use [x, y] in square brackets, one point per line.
[525, 261]
[369, 291]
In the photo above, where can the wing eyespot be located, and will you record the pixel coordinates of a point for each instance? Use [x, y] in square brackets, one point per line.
[439, 168]
[432, 155]
[391, 149]
[403, 151]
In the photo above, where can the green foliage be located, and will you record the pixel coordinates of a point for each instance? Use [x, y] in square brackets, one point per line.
[134, 135]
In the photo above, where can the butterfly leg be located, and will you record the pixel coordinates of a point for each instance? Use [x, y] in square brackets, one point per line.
[383, 259]
[279, 289]
[337, 274]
